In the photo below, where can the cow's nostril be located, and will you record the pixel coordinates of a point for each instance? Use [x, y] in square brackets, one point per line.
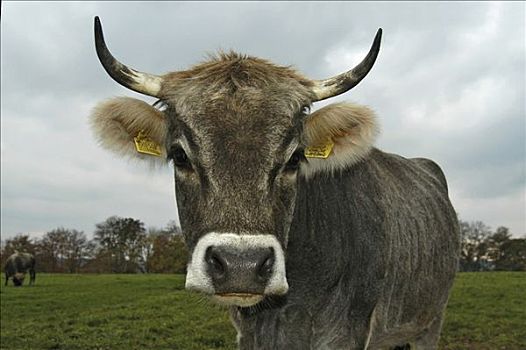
[216, 265]
[266, 267]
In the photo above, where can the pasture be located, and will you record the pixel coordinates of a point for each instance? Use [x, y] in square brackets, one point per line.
[486, 311]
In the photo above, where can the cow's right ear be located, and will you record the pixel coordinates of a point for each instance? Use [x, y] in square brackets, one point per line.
[130, 128]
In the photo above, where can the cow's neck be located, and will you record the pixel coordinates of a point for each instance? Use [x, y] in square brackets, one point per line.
[329, 228]
[330, 235]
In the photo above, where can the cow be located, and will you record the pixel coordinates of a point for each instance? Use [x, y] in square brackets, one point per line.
[311, 236]
[16, 267]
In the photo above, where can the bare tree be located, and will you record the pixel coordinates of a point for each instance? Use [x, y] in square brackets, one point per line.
[121, 242]
[474, 247]
[61, 250]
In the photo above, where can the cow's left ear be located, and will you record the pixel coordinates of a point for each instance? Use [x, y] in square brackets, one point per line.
[345, 132]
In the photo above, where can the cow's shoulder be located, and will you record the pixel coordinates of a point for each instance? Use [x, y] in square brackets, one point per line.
[432, 168]
[28, 256]
[409, 170]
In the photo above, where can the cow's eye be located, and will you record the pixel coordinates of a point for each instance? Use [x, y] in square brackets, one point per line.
[294, 161]
[180, 159]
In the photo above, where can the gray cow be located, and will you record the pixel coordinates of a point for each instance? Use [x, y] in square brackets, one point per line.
[312, 237]
[16, 267]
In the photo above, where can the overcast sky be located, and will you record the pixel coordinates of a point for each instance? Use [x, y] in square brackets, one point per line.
[449, 84]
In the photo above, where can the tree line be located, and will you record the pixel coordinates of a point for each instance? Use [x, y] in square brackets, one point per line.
[123, 245]
[484, 250]
[119, 245]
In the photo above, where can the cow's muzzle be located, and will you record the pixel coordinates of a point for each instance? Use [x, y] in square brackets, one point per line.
[233, 271]
[237, 269]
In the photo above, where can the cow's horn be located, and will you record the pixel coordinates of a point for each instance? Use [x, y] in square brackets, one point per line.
[144, 83]
[341, 83]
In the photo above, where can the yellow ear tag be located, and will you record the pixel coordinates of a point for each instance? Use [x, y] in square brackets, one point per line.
[322, 150]
[144, 144]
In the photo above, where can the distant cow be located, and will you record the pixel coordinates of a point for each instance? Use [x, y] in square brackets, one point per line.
[17, 266]
[314, 238]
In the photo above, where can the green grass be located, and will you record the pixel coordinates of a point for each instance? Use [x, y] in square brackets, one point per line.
[111, 312]
[486, 311]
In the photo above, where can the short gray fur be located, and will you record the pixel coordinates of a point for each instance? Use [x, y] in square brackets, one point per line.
[372, 251]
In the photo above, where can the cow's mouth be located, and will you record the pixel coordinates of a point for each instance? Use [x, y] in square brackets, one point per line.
[238, 299]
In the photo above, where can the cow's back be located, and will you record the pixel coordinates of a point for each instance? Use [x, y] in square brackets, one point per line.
[19, 263]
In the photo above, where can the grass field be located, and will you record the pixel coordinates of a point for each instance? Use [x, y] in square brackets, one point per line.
[486, 311]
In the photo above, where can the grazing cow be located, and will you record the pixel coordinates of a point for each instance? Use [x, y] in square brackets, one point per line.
[17, 266]
[314, 238]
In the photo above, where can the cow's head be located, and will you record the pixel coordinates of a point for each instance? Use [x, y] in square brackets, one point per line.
[236, 129]
[18, 279]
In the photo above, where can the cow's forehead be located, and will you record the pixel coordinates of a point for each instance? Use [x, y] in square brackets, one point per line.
[246, 112]
[238, 83]
[237, 108]
[247, 126]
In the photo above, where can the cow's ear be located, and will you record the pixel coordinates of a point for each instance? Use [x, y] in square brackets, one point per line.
[130, 128]
[338, 136]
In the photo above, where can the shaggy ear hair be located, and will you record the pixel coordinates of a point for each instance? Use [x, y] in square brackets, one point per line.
[353, 130]
[117, 121]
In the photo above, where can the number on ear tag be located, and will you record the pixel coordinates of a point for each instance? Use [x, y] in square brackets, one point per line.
[144, 144]
[321, 151]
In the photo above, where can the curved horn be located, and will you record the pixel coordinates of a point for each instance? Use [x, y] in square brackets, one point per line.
[144, 83]
[344, 82]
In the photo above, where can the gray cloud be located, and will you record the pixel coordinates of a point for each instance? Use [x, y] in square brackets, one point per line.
[448, 85]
